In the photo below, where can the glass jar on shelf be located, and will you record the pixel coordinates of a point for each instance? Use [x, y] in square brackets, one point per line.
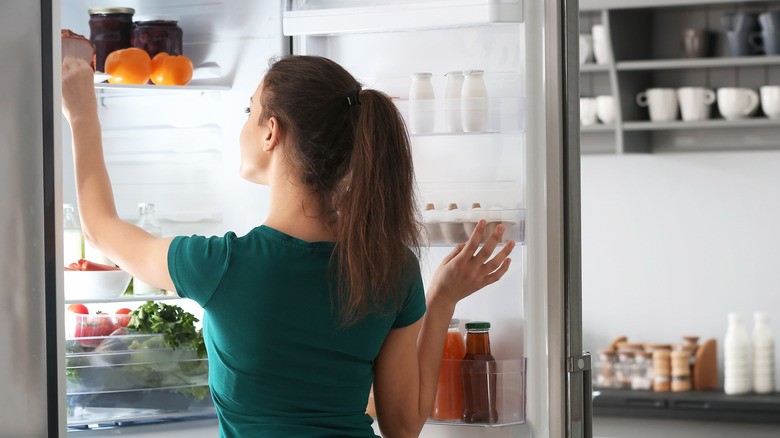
[110, 29]
[156, 34]
[605, 377]
[623, 369]
[642, 372]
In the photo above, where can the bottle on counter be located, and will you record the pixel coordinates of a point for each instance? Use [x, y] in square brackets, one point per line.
[72, 238]
[148, 221]
[448, 404]
[763, 355]
[478, 371]
[736, 354]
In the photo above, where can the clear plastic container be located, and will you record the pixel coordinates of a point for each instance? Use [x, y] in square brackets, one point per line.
[454, 225]
[123, 376]
[148, 221]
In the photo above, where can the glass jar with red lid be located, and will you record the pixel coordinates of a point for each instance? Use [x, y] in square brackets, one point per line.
[157, 34]
[110, 29]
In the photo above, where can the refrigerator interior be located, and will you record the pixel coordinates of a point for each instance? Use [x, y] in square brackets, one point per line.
[178, 147]
[383, 43]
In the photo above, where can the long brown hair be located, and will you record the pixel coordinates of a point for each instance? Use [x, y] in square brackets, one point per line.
[351, 147]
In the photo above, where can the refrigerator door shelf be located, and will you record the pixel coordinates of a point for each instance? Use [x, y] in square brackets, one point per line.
[448, 228]
[509, 378]
[452, 117]
[319, 18]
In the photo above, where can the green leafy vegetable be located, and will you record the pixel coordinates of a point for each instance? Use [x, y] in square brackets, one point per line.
[176, 325]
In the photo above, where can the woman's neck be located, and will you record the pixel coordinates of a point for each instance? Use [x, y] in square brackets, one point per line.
[295, 211]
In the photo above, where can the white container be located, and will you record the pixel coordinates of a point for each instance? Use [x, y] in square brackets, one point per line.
[148, 222]
[736, 355]
[72, 238]
[422, 115]
[474, 101]
[763, 354]
[452, 101]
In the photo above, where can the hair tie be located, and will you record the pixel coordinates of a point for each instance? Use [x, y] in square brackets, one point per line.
[352, 97]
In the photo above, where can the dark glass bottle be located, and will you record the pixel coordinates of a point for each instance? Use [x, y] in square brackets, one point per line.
[478, 371]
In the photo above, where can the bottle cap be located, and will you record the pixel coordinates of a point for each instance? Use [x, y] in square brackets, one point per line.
[454, 321]
[477, 325]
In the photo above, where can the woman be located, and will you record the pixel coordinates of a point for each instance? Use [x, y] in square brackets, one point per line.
[305, 312]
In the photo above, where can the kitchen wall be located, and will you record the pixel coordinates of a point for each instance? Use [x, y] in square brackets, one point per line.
[673, 242]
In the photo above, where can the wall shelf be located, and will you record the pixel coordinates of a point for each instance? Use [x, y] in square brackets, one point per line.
[644, 42]
[693, 63]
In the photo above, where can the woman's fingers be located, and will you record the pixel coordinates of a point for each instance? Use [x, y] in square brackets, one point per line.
[494, 263]
[455, 251]
[476, 236]
[490, 244]
[498, 273]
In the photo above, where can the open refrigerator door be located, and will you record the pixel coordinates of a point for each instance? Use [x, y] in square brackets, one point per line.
[490, 154]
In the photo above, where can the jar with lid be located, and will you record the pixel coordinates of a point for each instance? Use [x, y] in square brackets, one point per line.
[681, 370]
[606, 375]
[623, 369]
[147, 221]
[157, 34]
[448, 404]
[642, 371]
[110, 29]
[662, 370]
[72, 239]
[478, 373]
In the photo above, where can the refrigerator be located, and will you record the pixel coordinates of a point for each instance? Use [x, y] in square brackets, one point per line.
[177, 147]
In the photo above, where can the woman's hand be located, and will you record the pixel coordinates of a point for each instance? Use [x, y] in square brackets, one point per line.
[78, 89]
[466, 270]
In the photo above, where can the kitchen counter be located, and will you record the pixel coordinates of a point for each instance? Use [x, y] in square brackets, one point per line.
[691, 405]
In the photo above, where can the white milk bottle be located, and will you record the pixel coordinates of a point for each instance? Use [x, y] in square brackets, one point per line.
[148, 221]
[474, 103]
[736, 357]
[452, 100]
[763, 355]
[72, 239]
[421, 104]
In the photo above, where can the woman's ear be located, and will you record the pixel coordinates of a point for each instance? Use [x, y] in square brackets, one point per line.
[273, 136]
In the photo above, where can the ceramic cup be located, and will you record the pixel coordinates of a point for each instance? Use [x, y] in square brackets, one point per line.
[601, 44]
[588, 111]
[695, 43]
[695, 102]
[660, 102]
[586, 48]
[605, 109]
[737, 103]
[770, 101]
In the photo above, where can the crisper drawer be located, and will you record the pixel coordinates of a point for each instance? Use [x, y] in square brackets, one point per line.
[133, 377]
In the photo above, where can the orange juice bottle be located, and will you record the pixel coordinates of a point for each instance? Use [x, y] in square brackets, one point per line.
[448, 404]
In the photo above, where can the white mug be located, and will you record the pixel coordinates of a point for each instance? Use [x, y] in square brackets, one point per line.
[601, 44]
[661, 103]
[770, 101]
[586, 48]
[695, 102]
[737, 103]
[588, 111]
[605, 109]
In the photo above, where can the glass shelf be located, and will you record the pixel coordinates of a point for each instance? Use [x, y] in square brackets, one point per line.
[328, 17]
[126, 299]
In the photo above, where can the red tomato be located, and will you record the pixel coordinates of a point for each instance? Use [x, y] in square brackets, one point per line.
[103, 324]
[124, 318]
[78, 308]
[86, 265]
[128, 66]
[171, 69]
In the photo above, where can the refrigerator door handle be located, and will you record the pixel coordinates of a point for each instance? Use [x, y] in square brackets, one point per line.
[582, 364]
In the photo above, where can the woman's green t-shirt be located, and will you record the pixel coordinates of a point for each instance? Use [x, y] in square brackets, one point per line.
[280, 363]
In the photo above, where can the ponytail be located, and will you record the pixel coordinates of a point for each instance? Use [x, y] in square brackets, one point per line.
[352, 150]
[377, 221]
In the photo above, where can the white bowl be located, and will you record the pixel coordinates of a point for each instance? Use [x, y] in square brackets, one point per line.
[83, 285]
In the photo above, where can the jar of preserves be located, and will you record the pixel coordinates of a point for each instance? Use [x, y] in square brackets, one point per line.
[157, 34]
[110, 29]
